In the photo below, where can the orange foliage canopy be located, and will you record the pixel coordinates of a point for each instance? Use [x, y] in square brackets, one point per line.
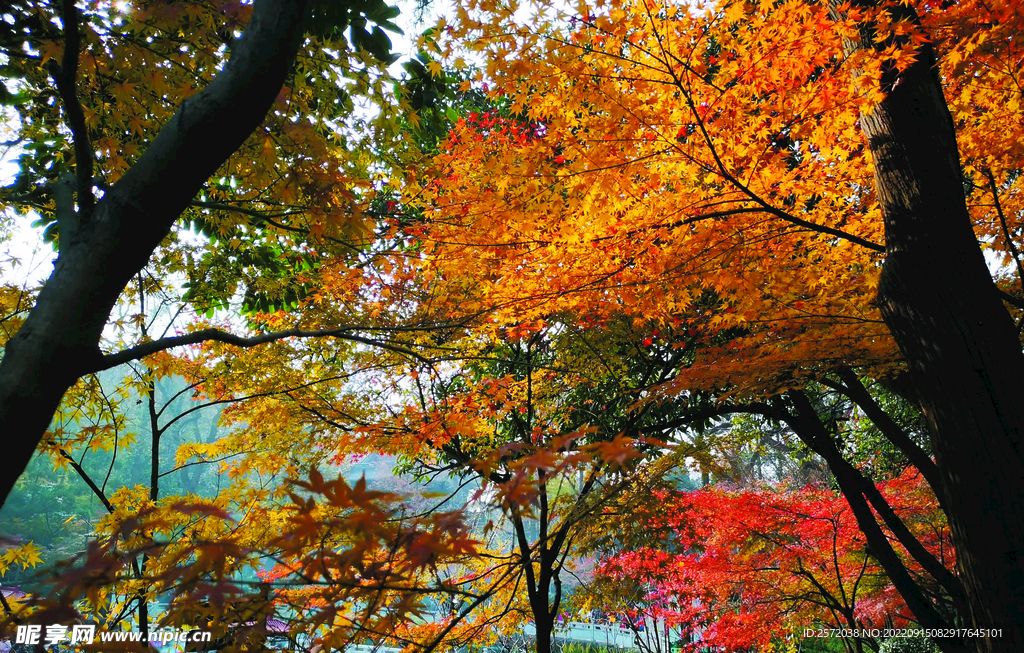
[702, 165]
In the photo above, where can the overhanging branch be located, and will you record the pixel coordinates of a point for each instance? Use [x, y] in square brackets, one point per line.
[216, 335]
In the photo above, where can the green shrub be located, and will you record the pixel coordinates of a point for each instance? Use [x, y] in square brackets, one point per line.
[909, 645]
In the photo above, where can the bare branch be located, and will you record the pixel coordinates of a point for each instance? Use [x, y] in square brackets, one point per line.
[216, 335]
[66, 76]
[88, 480]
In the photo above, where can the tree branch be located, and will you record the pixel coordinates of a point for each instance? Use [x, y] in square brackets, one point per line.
[1010, 299]
[58, 342]
[1006, 230]
[66, 78]
[252, 213]
[809, 428]
[743, 188]
[88, 480]
[63, 192]
[893, 432]
[216, 335]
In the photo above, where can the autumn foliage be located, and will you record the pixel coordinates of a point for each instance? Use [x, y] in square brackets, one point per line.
[659, 153]
[753, 569]
[654, 216]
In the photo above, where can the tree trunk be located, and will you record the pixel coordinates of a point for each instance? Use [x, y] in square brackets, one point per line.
[107, 246]
[939, 301]
[809, 428]
[545, 629]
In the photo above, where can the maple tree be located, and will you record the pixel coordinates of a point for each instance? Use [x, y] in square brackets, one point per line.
[552, 445]
[50, 351]
[113, 183]
[349, 562]
[193, 555]
[797, 160]
[752, 569]
[286, 197]
[693, 181]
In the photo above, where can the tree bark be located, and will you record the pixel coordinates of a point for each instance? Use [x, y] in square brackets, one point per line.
[939, 301]
[893, 432]
[808, 427]
[109, 244]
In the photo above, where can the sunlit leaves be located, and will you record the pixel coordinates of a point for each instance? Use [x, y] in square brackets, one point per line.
[654, 154]
[26, 555]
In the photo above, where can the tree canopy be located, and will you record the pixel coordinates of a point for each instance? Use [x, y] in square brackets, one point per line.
[569, 257]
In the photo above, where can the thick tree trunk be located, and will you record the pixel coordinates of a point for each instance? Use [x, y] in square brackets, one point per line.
[545, 629]
[939, 301]
[59, 341]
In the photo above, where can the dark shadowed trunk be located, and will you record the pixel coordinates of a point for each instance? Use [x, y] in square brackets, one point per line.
[539, 579]
[858, 492]
[103, 246]
[941, 305]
